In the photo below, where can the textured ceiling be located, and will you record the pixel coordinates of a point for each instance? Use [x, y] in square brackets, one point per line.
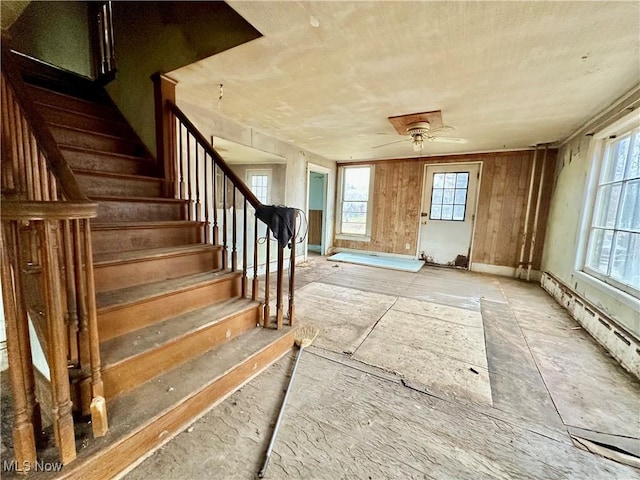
[10, 10]
[505, 75]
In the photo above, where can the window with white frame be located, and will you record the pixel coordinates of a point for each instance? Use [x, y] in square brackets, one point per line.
[259, 182]
[355, 201]
[613, 251]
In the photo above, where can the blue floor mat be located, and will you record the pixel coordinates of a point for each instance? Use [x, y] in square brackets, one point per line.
[376, 261]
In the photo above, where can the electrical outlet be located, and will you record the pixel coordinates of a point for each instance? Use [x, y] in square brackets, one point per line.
[407, 246]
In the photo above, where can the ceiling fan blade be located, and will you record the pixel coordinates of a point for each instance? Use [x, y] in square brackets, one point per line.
[447, 140]
[391, 143]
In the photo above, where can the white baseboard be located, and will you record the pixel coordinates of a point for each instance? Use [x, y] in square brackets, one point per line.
[621, 344]
[503, 271]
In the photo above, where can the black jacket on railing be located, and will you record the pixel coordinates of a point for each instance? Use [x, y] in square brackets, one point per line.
[280, 219]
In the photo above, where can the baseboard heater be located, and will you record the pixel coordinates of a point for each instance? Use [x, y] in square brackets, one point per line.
[620, 343]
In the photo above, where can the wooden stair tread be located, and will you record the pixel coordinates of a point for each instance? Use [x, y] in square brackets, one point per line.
[144, 418]
[94, 132]
[154, 336]
[65, 146]
[118, 122]
[119, 176]
[97, 225]
[95, 102]
[126, 296]
[113, 198]
[133, 255]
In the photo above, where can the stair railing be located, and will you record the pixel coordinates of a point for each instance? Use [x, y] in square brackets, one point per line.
[214, 192]
[47, 275]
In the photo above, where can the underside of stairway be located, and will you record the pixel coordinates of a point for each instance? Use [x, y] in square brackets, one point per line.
[176, 335]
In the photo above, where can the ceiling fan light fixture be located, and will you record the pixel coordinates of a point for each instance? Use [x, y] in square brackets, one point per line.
[417, 142]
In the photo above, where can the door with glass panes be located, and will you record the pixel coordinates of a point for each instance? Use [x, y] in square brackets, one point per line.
[448, 213]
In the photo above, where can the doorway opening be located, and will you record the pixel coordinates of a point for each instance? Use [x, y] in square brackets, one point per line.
[317, 212]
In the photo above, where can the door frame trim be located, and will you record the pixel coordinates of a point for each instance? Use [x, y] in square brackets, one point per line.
[325, 244]
[475, 210]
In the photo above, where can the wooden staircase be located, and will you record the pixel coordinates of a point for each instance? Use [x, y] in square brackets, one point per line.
[176, 331]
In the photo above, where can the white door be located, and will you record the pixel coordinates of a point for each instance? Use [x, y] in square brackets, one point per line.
[448, 213]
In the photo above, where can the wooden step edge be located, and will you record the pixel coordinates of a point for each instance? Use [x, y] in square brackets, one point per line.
[107, 105]
[107, 136]
[93, 151]
[134, 448]
[223, 276]
[117, 176]
[112, 198]
[95, 225]
[113, 121]
[127, 373]
[137, 256]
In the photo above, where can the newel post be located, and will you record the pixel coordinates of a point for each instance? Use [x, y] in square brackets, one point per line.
[164, 89]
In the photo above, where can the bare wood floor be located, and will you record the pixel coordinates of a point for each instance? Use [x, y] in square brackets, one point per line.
[440, 374]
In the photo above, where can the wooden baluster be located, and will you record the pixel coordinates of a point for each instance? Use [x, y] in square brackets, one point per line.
[53, 187]
[8, 175]
[267, 313]
[214, 182]
[44, 172]
[24, 445]
[254, 285]
[24, 149]
[98, 405]
[197, 179]
[15, 122]
[189, 192]
[70, 282]
[32, 153]
[225, 259]
[244, 249]
[83, 317]
[279, 282]
[234, 233]
[62, 420]
[205, 176]
[292, 274]
[181, 188]
[173, 151]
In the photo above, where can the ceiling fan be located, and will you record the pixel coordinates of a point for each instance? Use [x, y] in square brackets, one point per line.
[419, 132]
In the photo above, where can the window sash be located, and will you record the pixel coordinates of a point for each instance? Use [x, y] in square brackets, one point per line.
[355, 212]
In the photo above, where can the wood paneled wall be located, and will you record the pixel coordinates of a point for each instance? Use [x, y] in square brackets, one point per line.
[315, 227]
[500, 216]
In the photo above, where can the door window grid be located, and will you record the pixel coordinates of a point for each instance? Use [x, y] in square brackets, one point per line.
[259, 183]
[613, 252]
[449, 196]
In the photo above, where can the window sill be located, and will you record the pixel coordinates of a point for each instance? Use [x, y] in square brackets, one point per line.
[617, 294]
[355, 238]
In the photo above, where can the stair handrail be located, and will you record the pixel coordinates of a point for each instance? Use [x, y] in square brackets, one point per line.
[46, 273]
[237, 181]
[46, 143]
[190, 190]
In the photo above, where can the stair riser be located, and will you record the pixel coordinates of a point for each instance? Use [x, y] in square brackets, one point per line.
[75, 104]
[94, 141]
[97, 185]
[122, 275]
[112, 240]
[104, 162]
[124, 211]
[137, 370]
[129, 318]
[166, 426]
[73, 119]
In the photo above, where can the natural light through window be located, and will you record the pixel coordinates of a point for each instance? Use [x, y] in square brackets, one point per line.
[355, 200]
[259, 181]
[449, 196]
[613, 252]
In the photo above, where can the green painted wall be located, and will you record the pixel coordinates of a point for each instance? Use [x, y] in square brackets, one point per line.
[57, 33]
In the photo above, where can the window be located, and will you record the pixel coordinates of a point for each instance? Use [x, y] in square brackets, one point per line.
[613, 251]
[355, 201]
[449, 196]
[259, 183]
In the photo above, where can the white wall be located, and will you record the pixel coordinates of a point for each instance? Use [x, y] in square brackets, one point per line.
[566, 232]
[295, 195]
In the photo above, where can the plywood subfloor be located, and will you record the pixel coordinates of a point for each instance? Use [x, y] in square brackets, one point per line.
[349, 419]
